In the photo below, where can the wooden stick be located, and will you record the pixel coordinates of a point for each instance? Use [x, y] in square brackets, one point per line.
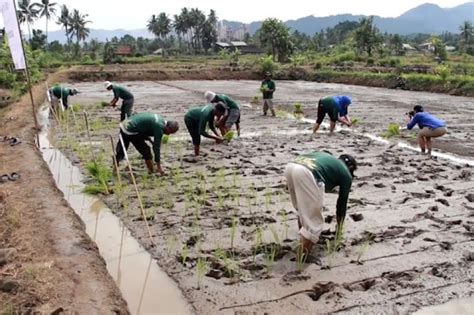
[136, 189]
[89, 136]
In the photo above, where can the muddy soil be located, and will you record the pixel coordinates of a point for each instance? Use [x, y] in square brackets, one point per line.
[223, 226]
[48, 264]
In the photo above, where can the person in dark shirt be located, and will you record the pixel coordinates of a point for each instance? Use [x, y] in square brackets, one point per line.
[267, 88]
[430, 127]
[308, 177]
[336, 108]
[198, 118]
[138, 129]
[121, 92]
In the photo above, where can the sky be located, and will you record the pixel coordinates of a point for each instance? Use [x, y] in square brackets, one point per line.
[122, 14]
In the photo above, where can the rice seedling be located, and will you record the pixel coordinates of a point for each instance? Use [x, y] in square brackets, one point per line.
[165, 139]
[229, 135]
[269, 258]
[300, 257]
[276, 238]
[258, 241]
[171, 243]
[362, 249]
[184, 254]
[393, 130]
[233, 231]
[332, 247]
[356, 121]
[101, 173]
[284, 220]
[201, 269]
[268, 199]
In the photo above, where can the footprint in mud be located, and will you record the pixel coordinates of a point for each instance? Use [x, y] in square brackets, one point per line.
[356, 217]
[294, 276]
[470, 197]
[321, 288]
[363, 285]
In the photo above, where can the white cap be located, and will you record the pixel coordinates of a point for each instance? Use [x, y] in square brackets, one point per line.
[209, 95]
[107, 84]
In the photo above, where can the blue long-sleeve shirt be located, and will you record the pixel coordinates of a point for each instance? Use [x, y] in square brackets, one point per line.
[342, 102]
[424, 119]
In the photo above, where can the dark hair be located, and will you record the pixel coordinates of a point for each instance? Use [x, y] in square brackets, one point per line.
[350, 162]
[173, 125]
[219, 108]
[418, 109]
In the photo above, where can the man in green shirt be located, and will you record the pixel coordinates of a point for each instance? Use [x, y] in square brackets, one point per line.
[267, 88]
[232, 114]
[336, 108]
[196, 120]
[137, 129]
[125, 95]
[58, 92]
[308, 177]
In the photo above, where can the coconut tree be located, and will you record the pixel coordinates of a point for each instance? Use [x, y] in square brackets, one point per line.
[151, 25]
[163, 26]
[79, 27]
[47, 10]
[27, 13]
[466, 34]
[64, 20]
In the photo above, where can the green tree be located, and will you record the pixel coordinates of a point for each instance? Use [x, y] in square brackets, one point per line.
[163, 27]
[466, 35]
[27, 13]
[38, 41]
[209, 31]
[439, 48]
[366, 36]
[47, 10]
[64, 20]
[396, 44]
[274, 35]
[79, 27]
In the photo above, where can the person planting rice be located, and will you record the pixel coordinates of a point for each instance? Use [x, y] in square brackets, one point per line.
[137, 129]
[121, 92]
[307, 178]
[232, 114]
[430, 127]
[268, 87]
[336, 108]
[196, 120]
[58, 92]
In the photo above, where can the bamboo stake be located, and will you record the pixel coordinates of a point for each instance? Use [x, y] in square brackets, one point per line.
[136, 189]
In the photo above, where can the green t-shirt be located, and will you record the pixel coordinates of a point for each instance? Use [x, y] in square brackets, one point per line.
[202, 116]
[333, 172]
[269, 85]
[147, 124]
[230, 103]
[121, 92]
[330, 107]
[62, 93]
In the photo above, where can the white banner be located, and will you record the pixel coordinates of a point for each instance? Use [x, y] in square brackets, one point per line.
[7, 7]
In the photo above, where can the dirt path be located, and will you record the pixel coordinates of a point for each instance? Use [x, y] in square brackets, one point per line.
[54, 267]
[225, 223]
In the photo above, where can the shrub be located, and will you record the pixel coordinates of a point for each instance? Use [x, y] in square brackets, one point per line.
[267, 64]
[370, 61]
[443, 72]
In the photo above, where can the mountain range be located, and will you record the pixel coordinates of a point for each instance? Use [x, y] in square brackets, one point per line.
[426, 18]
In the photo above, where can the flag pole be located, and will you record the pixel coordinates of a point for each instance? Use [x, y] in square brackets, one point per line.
[28, 79]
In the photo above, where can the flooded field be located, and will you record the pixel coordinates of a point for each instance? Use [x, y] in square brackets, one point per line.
[223, 226]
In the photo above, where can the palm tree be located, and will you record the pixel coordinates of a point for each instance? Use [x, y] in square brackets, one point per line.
[79, 26]
[65, 21]
[163, 27]
[48, 10]
[179, 27]
[466, 33]
[27, 13]
[151, 25]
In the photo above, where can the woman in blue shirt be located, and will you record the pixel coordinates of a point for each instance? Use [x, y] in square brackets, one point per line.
[430, 127]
